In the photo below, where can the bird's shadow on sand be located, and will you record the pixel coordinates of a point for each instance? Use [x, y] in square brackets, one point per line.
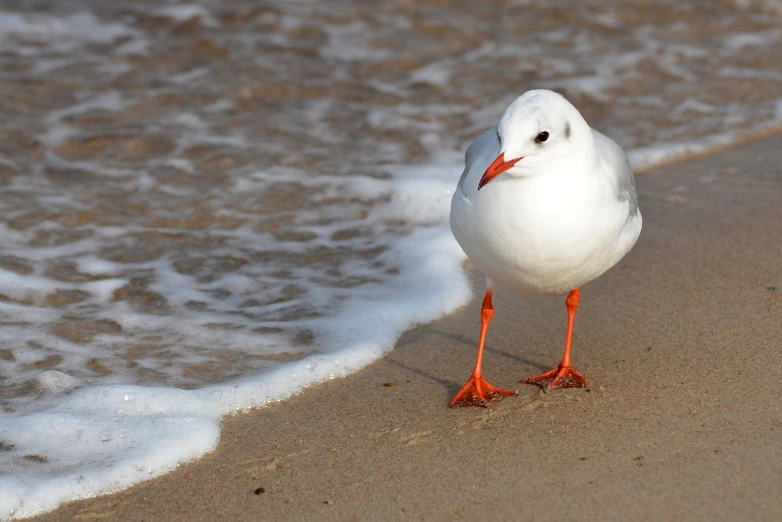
[452, 387]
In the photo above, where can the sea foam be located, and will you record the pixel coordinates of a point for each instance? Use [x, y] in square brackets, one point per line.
[100, 439]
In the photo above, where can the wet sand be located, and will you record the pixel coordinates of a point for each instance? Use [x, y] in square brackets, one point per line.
[682, 342]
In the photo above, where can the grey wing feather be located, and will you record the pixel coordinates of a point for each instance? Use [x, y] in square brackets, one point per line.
[484, 145]
[625, 181]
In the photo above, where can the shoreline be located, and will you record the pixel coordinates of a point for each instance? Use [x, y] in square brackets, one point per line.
[720, 146]
[658, 434]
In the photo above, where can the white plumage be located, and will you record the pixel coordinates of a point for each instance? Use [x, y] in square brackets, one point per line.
[562, 216]
[556, 207]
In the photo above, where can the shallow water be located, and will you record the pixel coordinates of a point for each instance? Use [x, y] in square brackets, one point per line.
[226, 192]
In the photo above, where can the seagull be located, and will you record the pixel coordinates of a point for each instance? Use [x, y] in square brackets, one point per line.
[545, 205]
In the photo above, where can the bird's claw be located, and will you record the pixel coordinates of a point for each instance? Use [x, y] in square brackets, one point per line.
[559, 377]
[478, 392]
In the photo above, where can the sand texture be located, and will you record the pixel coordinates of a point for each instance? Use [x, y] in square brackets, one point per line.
[682, 342]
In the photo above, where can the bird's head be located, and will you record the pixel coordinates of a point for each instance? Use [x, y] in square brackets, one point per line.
[539, 129]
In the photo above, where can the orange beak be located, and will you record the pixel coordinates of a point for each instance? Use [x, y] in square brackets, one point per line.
[495, 169]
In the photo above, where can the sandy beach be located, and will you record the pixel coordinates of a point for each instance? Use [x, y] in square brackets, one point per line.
[682, 342]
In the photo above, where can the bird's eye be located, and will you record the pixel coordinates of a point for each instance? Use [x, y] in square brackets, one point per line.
[543, 136]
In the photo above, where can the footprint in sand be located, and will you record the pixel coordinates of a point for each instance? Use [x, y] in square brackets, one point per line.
[98, 511]
[380, 434]
[414, 439]
[268, 464]
[409, 439]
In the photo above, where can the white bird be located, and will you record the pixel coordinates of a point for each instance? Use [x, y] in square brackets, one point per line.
[545, 205]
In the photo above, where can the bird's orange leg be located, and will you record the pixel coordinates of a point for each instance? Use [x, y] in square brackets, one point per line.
[563, 376]
[478, 392]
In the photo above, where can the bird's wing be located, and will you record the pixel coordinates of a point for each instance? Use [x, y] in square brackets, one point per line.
[616, 162]
[480, 154]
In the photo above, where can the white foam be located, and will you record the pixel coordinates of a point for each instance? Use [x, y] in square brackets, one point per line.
[109, 437]
[56, 382]
[436, 73]
[184, 12]
[74, 29]
[101, 451]
[739, 41]
[57, 134]
[645, 158]
[350, 42]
